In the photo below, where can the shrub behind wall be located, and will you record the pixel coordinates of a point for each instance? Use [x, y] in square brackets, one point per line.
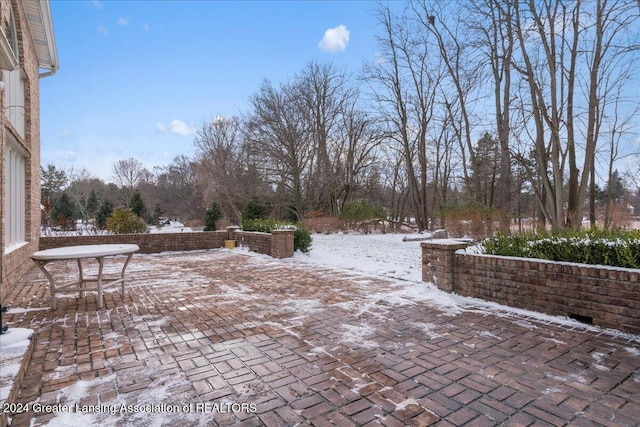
[618, 248]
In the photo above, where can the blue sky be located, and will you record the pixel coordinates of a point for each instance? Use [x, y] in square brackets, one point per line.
[138, 78]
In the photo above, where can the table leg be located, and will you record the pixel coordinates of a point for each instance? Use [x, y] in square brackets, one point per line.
[52, 282]
[124, 267]
[100, 297]
[81, 279]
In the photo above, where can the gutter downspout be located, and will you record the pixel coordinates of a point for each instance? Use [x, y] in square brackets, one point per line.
[47, 22]
[48, 73]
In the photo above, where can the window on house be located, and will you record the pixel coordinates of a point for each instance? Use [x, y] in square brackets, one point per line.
[13, 34]
[14, 82]
[15, 200]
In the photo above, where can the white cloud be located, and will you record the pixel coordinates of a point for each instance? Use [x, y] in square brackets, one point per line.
[95, 3]
[145, 26]
[335, 39]
[160, 128]
[123, 22]
[179, 127]
[65, 134]
[378, 59]
[102, 29]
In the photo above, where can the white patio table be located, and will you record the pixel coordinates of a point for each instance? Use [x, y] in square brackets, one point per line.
[78, 253]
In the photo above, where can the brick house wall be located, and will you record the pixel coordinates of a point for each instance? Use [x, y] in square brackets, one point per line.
[15, 263]
[605, 296]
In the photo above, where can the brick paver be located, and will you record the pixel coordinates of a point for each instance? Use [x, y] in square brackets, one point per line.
[222, 338]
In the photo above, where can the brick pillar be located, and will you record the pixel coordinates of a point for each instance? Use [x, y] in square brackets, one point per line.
[231, 232]
[437, 262]
[282, 243]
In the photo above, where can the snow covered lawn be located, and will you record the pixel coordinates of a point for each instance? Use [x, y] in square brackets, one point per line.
[383, 255]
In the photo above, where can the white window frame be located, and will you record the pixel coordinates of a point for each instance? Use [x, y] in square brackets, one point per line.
[9, 46]
[15, 202]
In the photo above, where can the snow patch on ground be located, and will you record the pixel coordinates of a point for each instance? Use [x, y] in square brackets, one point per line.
[357, 335]
[403, 405]
[13, 345]
[428, 329]
[633, 351]
[162, 389]
[19, 310]
[599, 357]
[490, 335]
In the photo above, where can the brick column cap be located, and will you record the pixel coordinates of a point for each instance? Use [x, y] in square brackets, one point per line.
[445, 244]
[282, 231]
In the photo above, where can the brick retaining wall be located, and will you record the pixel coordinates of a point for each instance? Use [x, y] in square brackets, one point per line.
[278, 244]
[606, 296]
[148, 242]
[255, 241]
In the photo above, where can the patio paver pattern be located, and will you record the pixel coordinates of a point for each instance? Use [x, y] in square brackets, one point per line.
[222, 338]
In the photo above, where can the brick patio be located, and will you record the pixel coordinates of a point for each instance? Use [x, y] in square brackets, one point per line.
[248, 340]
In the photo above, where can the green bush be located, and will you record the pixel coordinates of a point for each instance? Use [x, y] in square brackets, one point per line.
[104, 212]
[360, 211]
[617, 248]
[62, 212]
[211, 216]
[255, 209]
[137, 206]
[123, 220]
[302, 240]
[301, 237]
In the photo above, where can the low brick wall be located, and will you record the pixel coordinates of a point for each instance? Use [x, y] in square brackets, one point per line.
[605, 296]
[149, 243]
[278, 243]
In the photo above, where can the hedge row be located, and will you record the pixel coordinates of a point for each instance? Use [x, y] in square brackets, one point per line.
[619, 248]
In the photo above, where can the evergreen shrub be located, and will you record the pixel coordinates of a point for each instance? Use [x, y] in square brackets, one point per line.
[123, 220]
[255, 208]
[211, 216]
[360, 211]
[104, 212]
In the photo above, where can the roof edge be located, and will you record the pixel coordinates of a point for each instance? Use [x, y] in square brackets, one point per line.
[43, 9]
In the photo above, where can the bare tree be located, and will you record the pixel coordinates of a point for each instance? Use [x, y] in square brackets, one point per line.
[129, 174]
[179, 191]
[404, 84]
[357, 149]
[279, 135]
[325, 95]
[459, 59]
[492, 28]
[565, 97]
[223, 164]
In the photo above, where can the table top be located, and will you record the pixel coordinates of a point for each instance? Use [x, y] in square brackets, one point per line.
[85, 251]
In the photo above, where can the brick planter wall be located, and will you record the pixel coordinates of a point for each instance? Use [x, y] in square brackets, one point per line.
[606, 296]
[255, 241]
[278, 243]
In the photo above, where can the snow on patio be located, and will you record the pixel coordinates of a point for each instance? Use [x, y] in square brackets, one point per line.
[352, 293]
